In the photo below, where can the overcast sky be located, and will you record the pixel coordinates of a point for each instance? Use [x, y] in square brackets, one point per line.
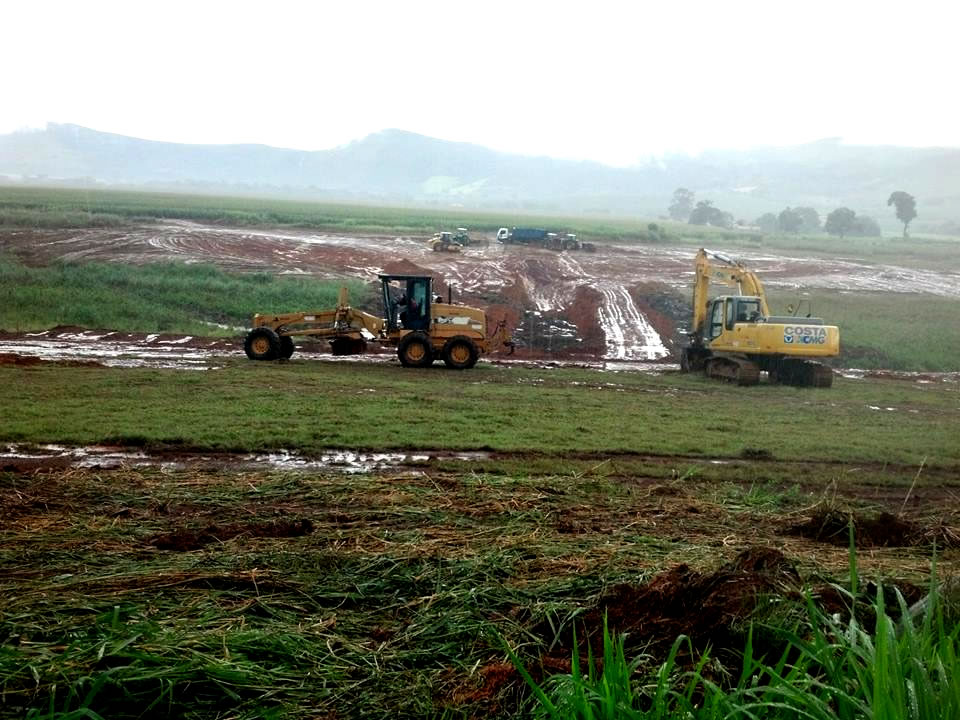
[614, 82]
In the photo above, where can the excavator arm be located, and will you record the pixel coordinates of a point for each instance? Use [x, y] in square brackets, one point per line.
[717, 268]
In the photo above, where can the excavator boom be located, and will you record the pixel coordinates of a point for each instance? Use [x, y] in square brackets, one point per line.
[728, 272]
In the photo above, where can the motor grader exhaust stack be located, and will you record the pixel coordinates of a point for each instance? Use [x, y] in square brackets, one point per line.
[735, 337]
[419, 324]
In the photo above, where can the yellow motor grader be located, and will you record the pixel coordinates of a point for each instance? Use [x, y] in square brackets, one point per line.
[735, 337]
[445, 242]
[419, 324]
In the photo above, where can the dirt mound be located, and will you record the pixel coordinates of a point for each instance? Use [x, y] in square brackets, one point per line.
[663, 323]
[14, 359]
[709, 608]
[31, 361]
[191, 539]
[406, 267]
[882, 530]
[582, 312]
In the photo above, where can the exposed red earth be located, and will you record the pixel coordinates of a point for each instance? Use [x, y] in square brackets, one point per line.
[618, 305]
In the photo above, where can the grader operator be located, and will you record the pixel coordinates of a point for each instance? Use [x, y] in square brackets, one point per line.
[734, 337]
[418, 323]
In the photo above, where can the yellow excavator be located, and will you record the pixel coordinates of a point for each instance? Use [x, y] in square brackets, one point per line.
[735, 337]
[419, 324]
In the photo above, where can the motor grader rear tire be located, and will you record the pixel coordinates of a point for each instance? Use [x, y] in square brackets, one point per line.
[286, 347]
[414, 350]
[460, 353]
[262, 343]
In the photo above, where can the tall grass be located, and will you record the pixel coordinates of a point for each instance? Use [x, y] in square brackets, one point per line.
[159, 297]
[828, 669]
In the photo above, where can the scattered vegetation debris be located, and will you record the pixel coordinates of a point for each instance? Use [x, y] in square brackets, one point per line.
[749, 453]
[709, 608]
[884, 529]
[187, 539]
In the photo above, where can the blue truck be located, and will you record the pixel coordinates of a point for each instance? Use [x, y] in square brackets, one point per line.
[538, 237]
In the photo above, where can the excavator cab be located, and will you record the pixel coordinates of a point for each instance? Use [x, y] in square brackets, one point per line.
[726, 311]
[406, 301]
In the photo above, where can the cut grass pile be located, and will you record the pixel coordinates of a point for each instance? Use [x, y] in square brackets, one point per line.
[157, 297]
[387, 597]
[311, 405]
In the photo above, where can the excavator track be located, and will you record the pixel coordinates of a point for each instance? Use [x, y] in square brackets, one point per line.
[739, 370]
[804, 373]
[821, 375]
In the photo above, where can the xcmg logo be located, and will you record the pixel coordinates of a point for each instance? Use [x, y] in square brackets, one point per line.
[804, 335]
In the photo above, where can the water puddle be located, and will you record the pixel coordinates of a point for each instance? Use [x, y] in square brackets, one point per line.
[114, 349]
[111, 458]
[921, 378]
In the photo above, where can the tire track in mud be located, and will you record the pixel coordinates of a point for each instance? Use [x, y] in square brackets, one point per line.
[629, 335]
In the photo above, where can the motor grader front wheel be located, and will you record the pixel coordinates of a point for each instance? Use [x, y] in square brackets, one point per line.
[414, 350]
[460, 353]
[262, 343]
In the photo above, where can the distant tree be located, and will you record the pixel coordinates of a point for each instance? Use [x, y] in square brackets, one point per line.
[906, 207]
[865, 226]
[706, 214]
[682, 204]
[789, 220]
[767, 222]
[702, 213]
[840, 221]
[810, 218]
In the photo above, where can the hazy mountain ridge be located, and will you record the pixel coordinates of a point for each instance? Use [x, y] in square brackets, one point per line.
[400, 166]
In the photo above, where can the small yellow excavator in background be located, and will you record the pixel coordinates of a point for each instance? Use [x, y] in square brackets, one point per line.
[734, 337]
[421, 326]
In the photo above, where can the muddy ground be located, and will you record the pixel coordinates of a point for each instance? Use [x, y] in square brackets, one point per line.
[621, 303]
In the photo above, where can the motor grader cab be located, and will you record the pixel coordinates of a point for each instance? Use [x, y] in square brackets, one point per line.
[418, 323]
[735, 337]
[425, 328]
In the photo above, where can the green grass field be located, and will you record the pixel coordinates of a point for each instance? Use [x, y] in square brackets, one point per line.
[238, 590]
[310, 405]
[157, 297]
[248, 592]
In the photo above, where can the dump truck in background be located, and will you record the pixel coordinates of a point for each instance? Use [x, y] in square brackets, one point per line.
[539, 237]
[419, 324]
[734, 337]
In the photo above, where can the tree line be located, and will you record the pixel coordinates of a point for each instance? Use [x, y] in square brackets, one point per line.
[843, 221]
